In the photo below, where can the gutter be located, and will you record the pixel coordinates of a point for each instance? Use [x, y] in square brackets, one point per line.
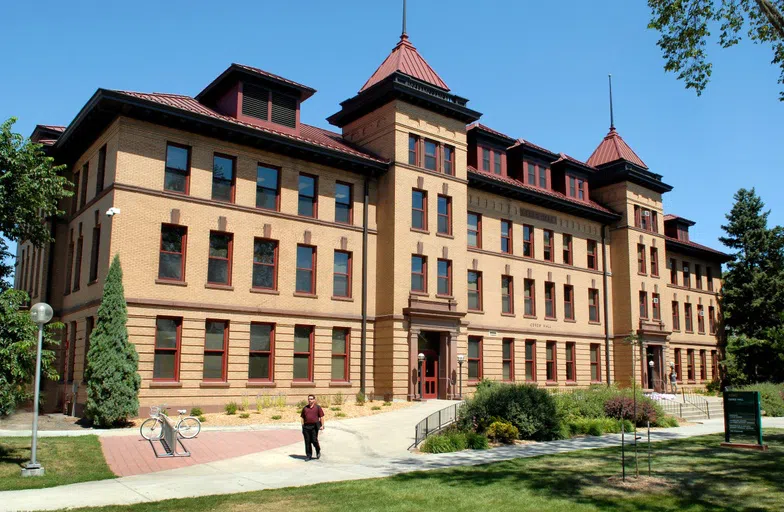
[606, 306]
[363, 335]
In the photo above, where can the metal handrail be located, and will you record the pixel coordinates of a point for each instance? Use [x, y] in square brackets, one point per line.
[436, 422]
[697, 401]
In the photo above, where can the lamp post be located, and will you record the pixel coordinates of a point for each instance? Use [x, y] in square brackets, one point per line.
[460, 360]
[421, 358]
[41, 313]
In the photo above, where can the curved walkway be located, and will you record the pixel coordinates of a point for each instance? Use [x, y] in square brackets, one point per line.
[370, 447]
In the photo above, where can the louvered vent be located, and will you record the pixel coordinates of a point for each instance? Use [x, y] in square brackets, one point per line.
[284, 110]
[255, 101]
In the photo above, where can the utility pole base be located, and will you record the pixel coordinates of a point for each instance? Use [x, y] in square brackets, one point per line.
[33, 470]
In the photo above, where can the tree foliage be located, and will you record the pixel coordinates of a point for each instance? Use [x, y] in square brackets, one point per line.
[18, 347]
[112, 376]
[686, 25]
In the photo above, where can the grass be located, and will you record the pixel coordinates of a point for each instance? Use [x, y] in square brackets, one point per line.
[689, 475]
[67, 460]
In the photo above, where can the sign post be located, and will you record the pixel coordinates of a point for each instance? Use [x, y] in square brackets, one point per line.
[742, 418]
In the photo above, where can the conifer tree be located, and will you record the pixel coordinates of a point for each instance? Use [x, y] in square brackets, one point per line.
[113, 380]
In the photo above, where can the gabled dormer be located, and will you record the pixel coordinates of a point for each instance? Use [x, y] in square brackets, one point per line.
[487, 149]
[531, 164]
[677, 227]
[254, 96]
[571, 177]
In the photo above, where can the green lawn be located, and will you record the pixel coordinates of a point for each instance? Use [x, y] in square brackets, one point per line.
[689, 475]
[67, 460]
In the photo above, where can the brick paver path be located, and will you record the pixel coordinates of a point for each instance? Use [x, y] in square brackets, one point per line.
[132, 455]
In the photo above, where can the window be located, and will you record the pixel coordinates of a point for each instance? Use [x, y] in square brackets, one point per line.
[709, 277]
[550, 357]
[677, 357]
[223, 178]
[698, 276]
[686, 275]
[83, 193]
[687, 313]
[592, 264]
[700, 319]
[95, 250]
[690, 363]
[529, 296]
[261, 355]
[418, 274]
[216, 339]
[178, 168]
[581, 190]
[676, 316]
[568, 302]
[654, 222]
[341, 274]
[497, 168]
[549, 253]
[303, 353]
[168, 333]
[306, 270]
[593, 305]
[341, 340]
[656, 306]
[449, 160]
[444, 215]
[78, 266]
[714, 365]
[219, 266]
[507, 359]
[474, 230]
[474, 290]
[644, 305]
[507, 295]
[307, 205]
[542, 177]
[530, 361]
[549, 300]
[506, 236]
[413, 150]
[531, 174]
[100, 175]
[75, 200]
[711, 320]
[431, 155]
[72, 353]
[265, 264]
[88, 331]
[567, 249]
[528, 241]
[474, 358]
[444, 278]
[171, 261]
[571, 375]
[673, 271]
[419, 209]
[267, 187]
[654, 262]
[596, 362]
[485, 159]
[69, 268]
[703, 365]
[641, 259]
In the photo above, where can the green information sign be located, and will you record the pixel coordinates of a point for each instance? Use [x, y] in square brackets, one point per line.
[742, 415]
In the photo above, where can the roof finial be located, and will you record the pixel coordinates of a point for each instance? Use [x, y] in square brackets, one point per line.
[404, 20]
[612, 121]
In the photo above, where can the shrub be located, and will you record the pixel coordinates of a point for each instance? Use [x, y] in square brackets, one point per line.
[530, 409]
[277, 417]
[585, 403]
[196, 411]
[301, 404]
[340, 415]
[713, 387]
[476, 441]
[231, 408]
[202, 418]
[360, 398]
[445, 442]
[387, 404]
[668, 421]
[771, 397]
[280, 400]
[371, 396]
[338, 399]
[245, 415]
[622, 407]
[244, 402]
[503, 432]
[334, 409]
[375, 408]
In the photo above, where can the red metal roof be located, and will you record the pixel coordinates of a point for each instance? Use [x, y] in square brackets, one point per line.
[564, 156]
[551, 193]
[613, 148]
[54, 128]
[405, 59]
[309, 134]
[523, 142]
[695, 245]
[487, 129]
[275, 77]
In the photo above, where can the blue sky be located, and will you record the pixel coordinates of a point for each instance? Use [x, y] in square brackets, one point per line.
[537, 70]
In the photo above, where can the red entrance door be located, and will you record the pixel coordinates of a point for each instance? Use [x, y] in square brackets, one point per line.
[430, 380]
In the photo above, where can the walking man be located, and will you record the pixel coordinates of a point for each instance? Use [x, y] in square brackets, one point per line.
[312, 421]
[673, 379]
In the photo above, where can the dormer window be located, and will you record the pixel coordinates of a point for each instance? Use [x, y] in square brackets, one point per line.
[263, 104]
[577, 188]
[537, 175]
[492, 161]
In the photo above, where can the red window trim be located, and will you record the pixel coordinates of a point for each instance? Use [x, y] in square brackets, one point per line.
[417, 150]
[314, 199]
[510, 295]
[554, 360]
[673, 271]
[312, 270]
[571, 350]
[100, 175]
[551, 300]
[711, 320]
[703, 365]
[676, 316]
[183, 244]
[188, 172]
[448, 277]
[678, 356]
[350, 270]
[176, 349]
[568, 240]
[511, 359]
[277, 190]
[656, 306]
[85, 178]
[423, 209]
[654, 262]
[714, 365]
[689, 318]
[233, 175]
[350, 203]
[345, 356]
[478, 230]
[686, 275]
[274, 263]
[642, 268]
[531, 298]
[530, 242]
[593, 293]
[592, 252]
[437, 154]
[690, 364]
[223, 352]
[270, 352]
[444, 160]
[709, 278]
[478, 291]
[700, 319]
[479, 365]
[486, 150]
[423, 273]
[311, 336]
[548, 246]
[230, 257]
[532, 360]
[569, 299]
[508, 237]
[448, 215]
[598, 363]
[644, 305]
[698, 275]
[78, 264]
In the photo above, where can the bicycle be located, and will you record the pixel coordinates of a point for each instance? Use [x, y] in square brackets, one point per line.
[187, 427]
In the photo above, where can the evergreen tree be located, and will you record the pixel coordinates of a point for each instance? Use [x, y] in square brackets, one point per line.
[113, 380]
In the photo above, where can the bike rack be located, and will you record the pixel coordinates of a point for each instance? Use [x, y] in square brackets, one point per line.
[169, 440]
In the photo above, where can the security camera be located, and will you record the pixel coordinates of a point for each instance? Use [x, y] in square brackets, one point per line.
[111, 212]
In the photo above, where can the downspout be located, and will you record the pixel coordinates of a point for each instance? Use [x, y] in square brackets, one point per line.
[363, 336]
[606, 306]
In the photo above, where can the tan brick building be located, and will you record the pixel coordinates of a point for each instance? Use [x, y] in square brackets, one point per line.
[262, 255]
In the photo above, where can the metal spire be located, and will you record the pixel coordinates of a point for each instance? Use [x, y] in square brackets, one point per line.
[612, 121]
[404, 19]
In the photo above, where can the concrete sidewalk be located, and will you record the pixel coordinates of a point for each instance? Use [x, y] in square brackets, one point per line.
[369, 447]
